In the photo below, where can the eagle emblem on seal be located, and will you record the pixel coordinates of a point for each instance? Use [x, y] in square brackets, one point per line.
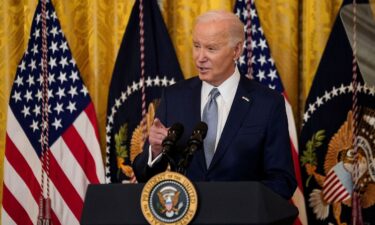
[169, 200]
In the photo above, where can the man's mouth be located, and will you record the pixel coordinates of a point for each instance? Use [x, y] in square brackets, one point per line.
[203, 69]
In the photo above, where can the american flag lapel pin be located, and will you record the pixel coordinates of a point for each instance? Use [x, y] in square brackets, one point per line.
[245, 98]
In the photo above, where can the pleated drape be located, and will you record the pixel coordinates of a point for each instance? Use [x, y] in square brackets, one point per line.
[279, 19]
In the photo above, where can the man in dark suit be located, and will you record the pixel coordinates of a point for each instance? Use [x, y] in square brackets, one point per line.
[247, 138]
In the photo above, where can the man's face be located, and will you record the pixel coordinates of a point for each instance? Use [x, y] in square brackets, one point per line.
[213, 55]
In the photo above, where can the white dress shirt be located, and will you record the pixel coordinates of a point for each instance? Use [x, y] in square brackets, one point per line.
[224, 102]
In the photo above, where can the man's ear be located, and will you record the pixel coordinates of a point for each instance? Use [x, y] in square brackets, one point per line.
[238, 48]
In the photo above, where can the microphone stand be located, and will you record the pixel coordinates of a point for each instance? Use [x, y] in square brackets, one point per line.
[184, 162]
[194, 143]
[171, 161]
[169, 142]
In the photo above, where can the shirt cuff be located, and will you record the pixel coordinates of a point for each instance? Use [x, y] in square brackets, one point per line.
[151, 162]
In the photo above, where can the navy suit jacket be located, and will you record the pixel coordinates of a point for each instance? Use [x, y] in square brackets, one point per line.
[254, 144]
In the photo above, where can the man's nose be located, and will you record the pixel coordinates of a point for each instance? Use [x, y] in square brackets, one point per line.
[202, 55]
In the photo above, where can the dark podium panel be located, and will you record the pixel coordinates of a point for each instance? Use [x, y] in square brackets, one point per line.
[218, 203]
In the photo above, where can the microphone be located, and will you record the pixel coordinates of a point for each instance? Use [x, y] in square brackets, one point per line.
[194, 143]
[196, 139]
[174, 133]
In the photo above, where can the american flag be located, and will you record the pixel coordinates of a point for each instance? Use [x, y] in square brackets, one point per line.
[265, 72]
[75, 159]
[338, 185]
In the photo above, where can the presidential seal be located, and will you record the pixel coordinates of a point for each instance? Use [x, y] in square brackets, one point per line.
[169, 198]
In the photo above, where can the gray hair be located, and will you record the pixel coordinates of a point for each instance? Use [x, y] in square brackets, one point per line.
[235, 25]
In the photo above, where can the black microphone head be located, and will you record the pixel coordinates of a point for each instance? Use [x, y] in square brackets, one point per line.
[174, 133]
[177, 129]
[201, 128]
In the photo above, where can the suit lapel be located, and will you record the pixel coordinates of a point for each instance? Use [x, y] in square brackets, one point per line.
[240, 107]
[195, 102]
[195, 105]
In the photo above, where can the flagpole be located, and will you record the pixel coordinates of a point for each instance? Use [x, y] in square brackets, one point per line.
[142, 83]
[44, 216]
[249, 49]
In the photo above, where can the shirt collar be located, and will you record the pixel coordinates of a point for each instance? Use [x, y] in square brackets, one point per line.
[227, 89]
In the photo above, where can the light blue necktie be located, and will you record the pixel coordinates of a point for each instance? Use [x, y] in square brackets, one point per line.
[210, 116]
